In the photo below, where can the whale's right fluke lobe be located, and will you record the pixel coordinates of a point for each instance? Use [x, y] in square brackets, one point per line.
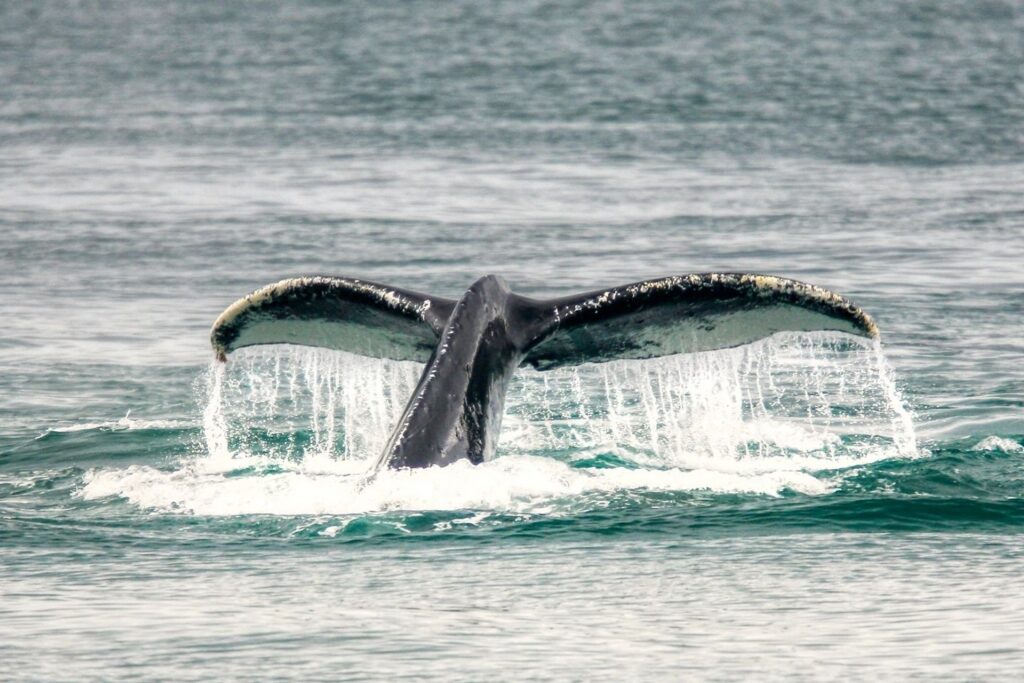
[684, 314]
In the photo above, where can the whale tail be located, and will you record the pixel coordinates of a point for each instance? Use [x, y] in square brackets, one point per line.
[472, 346]
[677, 314]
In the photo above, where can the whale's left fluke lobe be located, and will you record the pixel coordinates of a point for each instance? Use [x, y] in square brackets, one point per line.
[345, 314]
[472, 346]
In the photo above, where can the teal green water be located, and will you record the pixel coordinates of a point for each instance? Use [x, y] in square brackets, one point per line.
[804, 508]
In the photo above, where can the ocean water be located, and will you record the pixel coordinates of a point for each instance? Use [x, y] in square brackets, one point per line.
[808, 507]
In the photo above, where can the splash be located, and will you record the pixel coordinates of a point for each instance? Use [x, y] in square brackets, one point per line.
[292, 430]
[797, 397]
[303, 405]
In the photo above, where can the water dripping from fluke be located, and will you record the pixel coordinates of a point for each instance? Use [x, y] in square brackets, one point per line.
[806, 399]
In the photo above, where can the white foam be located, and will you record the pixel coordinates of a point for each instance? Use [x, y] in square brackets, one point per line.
[517, 484]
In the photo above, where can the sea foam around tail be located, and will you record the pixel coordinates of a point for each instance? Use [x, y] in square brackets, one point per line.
[295, 431]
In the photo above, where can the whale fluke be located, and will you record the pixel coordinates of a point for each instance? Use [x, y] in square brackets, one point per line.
[472, 346]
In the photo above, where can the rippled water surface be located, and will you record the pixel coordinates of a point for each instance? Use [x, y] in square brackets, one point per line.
[804, 507]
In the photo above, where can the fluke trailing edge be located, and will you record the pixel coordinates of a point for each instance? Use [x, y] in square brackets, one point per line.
[472, 346]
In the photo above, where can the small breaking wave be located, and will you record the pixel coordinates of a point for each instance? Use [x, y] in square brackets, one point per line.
[998, 443]
[126, 423]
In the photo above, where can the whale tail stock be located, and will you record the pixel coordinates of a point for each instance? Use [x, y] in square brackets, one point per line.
[472, 346]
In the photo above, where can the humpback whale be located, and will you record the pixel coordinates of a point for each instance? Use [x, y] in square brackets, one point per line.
[472, 346]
